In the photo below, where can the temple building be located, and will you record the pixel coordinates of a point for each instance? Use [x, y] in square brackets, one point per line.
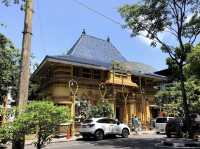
[92, 61]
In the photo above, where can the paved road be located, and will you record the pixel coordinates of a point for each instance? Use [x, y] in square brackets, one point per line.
[144, 141]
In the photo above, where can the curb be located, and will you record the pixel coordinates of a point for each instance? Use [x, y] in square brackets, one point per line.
[55, 140]
[142, 132]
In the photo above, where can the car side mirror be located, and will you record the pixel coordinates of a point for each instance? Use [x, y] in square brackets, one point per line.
[118, 122]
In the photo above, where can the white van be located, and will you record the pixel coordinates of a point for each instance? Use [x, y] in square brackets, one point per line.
[161, 123]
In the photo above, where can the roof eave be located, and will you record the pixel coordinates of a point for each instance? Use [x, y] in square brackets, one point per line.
[155, 76]
[77, 63]
[39, 67]
[150, 75]
[52, 59]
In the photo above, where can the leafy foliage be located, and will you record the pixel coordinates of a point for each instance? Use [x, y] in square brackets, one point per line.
[40, 117]
[6, 133]
[9, 2]
[170, 97]
[9, 66]
[151, 17]
[85, 110]
[102, 109]
[178, 19]
[82, 110]
[46, 117]
[193, 60]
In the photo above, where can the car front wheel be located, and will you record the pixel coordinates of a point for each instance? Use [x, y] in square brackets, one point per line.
[85, 136]
[125, 133]
[99, 135]
[168, 134]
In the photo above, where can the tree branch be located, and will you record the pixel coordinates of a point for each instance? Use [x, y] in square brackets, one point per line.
[169, 50]
[195, 36]
[172, 31]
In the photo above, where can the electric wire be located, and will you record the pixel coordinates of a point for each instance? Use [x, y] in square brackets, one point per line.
[98, 12]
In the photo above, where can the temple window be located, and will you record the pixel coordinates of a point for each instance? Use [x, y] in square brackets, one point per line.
[77, 72]
[97, 74]
[86, 73]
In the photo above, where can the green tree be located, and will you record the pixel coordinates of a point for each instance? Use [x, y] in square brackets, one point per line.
[193, 62]
[40, 117]
[9, 66]
[179, 19]
[46, 117]
[170, 97]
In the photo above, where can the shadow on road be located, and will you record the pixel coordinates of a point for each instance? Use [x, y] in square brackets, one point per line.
[128, 143]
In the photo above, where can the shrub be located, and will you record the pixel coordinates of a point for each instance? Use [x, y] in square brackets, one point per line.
[40, 117]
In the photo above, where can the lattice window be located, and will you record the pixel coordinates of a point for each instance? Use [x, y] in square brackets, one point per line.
[86, 73]
[97, 74]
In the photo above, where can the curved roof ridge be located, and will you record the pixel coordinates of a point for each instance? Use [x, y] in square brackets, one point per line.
[72, 48]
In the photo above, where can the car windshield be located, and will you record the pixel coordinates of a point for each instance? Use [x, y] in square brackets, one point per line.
[88, 121]
[161, 120]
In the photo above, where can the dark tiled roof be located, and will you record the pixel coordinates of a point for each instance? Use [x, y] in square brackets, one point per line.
[79, 60]
[139, 68]
[92, 48]
[96, 53]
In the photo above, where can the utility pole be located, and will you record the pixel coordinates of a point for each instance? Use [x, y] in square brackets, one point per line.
[26, 51]
[24, 68]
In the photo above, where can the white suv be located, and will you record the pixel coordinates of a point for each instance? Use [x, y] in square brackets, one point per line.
[161, 123]
[99, 127]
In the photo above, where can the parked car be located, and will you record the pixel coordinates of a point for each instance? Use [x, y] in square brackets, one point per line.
[195, 125]
[195, 117]
[175, 127]
[99, 127]
[161, 123]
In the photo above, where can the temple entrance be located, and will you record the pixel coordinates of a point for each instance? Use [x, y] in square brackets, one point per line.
[118, 113]
[154, 111]
[119, 107]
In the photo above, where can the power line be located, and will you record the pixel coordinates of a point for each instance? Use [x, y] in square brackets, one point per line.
[97, 12]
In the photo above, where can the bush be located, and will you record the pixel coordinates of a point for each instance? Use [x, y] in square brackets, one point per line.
[6, 133]
[40, 117]
[102, 109]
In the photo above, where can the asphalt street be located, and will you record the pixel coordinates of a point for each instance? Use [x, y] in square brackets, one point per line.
[144, 141]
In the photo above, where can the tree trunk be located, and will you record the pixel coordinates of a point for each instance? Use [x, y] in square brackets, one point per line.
[18, 144]
[184, 96]
[38, 145]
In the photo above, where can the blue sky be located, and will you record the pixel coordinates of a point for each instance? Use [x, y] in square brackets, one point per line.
[57, 24]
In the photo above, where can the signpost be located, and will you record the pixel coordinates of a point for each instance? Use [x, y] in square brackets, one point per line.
[125, 96]
[73, 86]
[102, 90]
